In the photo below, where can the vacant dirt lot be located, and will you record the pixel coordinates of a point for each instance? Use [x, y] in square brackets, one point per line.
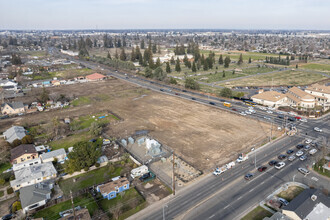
[201, 135]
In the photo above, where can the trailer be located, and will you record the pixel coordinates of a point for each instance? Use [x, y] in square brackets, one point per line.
[139, 171]
[242, 157]
[220, 170]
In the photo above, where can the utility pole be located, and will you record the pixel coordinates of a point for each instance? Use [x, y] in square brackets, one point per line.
[173, 180]
[74, 212]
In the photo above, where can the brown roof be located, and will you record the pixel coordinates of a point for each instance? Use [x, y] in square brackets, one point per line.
[300, 93]
[81, 214]
[319, 88]
[270, 96]
[21, 150]
[111, 186]
[95, 76]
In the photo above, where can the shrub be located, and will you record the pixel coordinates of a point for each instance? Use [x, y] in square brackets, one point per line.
[10, 190]
[2, 181]
[16, 206]
[28, 139]
[97, 165]
[16, 142]
[125, 208]
[86, 169]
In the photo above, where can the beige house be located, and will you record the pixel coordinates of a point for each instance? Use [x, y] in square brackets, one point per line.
[321, 94]
[270, 98]
[23, 153]
[12, 108]
[299, 98]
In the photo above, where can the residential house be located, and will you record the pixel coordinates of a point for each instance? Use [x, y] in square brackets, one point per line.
[321, 94]
[299, 98]
[95, 77]
[59, 154]
[81, 214]
[56, 82]
[35, 196]
[33, 174]
[311, 204]
[111, 189]
[12, 108]
[13, 133]
[270, 98]
[8, 83]
[22, 153]
[27, 163]
[41, 149]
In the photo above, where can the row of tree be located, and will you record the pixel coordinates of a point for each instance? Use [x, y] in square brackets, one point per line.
[278, 60]
[114, 63]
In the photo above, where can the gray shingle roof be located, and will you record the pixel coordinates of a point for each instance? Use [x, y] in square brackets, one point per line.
[13, 133]
[52, 154]
[35, 193]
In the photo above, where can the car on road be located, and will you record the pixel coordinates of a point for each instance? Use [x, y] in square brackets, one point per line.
[242, 113]
[4, 117]
[313, 151]
[184, 90]
[291, 119]
[193, 98]
[248, 112]
[268, 118]
[248, 176]
[290, 151]
[303, 120]
[262, 168]
[308, 141]
[291, 158]
[269, 112]
[317, 129]
[298, 118]
[299, 153]
[162, 90]
[211, 103]
[272, 162]
[300, 146]
[303, 157]
[283, 201]
[280, 116]
[303, 170]
[234, 109]
[279, 165]
[176, 93]
[281, 157]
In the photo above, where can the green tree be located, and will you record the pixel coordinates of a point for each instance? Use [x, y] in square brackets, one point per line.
[158, 64]
[223, 74]
[227, 62]
[16, 59]
[296, 66]
[220, 59]
[142, 44]
[250, 61]
[226, 92]
[89, 42]
[190, 83]
[168, 67]
[16, 143]
[44, 97]
[172, 61]
[27, 139]
[116, 55]
[160, 74]
[173, 81]
[177, 65]
[123, 54]
[148, 72]
[240, 60]
[194, 69]
[109, 56]
[95, 129]
[133, 55]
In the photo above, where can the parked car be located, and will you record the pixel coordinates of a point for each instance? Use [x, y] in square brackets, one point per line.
[303, 157]
[281, 157]
[212, 103]
[7, 217]
[299, 146]
[299, 153]
[317, 129]
[145, 176]
[308, 141]
[307, 147]
[248, 176]
[290, 151]
[279, 165]
[313, 151]
[283, 201]
[291, 158]
[262, 168]
[303, 170]
[272, 162]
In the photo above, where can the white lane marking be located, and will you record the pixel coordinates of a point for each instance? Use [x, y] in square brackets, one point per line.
[314, 178]
[251, 189]
[212, 216]
[227, 206]
[239, 198]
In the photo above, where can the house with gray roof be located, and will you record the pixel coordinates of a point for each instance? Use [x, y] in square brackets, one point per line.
[311, 204]
[12, 108]
[33, 174]
[13, 133]
[36, 195]
[59, 154]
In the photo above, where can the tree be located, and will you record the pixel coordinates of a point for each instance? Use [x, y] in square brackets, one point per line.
[227, 62]
[148, 72]
[133, 55]
[240, 60]
[95, 129]
[27, 139]
[226, 92]
[116, 55]
[89, 42]
[223, 74]
[250, 61]
[160, 74]
[109, 56]
[194, 67]
[172, 61]
[296, 66]
[177, 65]
[16, 143]
[44, 97]
[158, 64]
[220, 59]
[123, 54]
[190, 83]
[142, 44]
[173, 81]
[168, 67]
[16, 59]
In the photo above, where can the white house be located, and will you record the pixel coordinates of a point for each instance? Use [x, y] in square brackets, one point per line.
[26, 164]
[59, 154]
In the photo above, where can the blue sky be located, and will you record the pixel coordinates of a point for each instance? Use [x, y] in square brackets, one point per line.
[136, 14]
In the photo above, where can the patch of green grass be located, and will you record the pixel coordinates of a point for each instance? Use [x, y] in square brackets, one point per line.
[2, 193]
[133, 211]
[317, 66]
[4, 166]
[218, 77]
[70, 140]
[83, 100]
[291, 193]
[86, 121]
[83, 200]
[88, 179]
[258, 213]
[318, 167]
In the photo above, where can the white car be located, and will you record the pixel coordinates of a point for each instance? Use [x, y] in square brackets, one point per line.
[308, 141]
[303, 170]
[268, 118]
[252, 111]
[242, 113]
[248, 112]
[303, 120]
[280, 165]
[291, 158]
[299, 153]
[317, 129]
[313, 151]
[270, 112]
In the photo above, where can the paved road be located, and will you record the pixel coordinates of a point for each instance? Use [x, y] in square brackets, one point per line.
[227, 196]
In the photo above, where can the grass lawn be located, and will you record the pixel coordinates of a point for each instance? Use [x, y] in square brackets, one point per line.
[70, 140]
[318, 168]
[70, 73]
[1, 193]
[85, 121]
[83, 100]
[317, 66]
[52, 212]
[4, 166]
[128, 197]
[88, 179]
[289, 77]
[218, 77]
[258, 213]
[291, 193]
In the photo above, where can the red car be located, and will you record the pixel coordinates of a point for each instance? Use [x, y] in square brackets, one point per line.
[298, 118]
[261, 169]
